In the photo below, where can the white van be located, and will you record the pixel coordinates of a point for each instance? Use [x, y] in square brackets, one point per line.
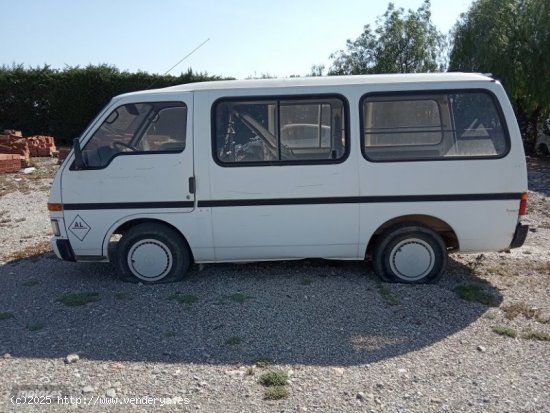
[398, 168]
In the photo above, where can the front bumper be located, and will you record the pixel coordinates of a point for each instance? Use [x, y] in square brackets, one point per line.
[519, 236]
[63, 249]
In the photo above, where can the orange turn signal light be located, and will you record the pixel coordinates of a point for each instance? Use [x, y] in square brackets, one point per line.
[55, 207]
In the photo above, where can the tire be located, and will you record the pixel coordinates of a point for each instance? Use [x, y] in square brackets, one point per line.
[152, 253]
[410, 253]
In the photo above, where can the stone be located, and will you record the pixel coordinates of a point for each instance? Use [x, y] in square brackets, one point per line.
[72, 358]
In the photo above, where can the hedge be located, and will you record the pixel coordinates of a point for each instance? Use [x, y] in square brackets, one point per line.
[61, 103]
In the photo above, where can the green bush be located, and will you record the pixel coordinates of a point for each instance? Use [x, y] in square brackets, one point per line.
[61, 103]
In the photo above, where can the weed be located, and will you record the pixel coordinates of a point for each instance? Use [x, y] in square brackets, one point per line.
[543, 318]
[505, 331]
[476, 264]
[36, 326]
[5, 315]
[274, 378]
[476, 293]
[233, 341]
[32, 251]
[122, 296]
[31, 283]
[77, 299]
[239, 297]
[263, 362]
[535, 335]
[169, 334]
[511, 311]
[188, 299]
[491, 315]
[386, 295]
[276, 393]
[306, 281]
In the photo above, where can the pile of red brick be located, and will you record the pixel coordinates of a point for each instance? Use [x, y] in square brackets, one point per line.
[41, 145]
[15, 150]
[9, 163]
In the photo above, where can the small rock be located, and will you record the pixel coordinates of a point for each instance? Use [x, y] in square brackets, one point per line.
[360, 396]
[7, 356]
[481, 349]
[72, 358]
[339, 371]
[402, 371]
[111, 393]
[87, 389]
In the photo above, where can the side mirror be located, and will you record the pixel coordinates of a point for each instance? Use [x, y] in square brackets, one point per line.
[78, 160]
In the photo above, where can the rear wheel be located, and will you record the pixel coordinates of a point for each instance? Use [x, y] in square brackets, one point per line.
[410, 253]
[152, 253]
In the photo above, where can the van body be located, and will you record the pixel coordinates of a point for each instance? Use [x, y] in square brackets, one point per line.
[398, 168]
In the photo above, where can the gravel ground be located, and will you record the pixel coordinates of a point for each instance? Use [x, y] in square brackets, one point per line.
[347, 342]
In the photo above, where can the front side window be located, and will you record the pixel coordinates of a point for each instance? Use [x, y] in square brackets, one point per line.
[137, 128]
[292, 130]
[431, 126]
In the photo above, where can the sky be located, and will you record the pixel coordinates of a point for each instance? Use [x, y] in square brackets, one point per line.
[247, 38]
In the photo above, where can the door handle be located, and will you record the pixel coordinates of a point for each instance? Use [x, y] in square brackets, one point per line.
[192, 185]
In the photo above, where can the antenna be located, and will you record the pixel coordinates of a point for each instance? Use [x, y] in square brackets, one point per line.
[181, 60]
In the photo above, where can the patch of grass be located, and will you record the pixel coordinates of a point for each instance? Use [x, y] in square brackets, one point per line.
[5, 315]
[476, 293]
[31, 251]
[274, 378]
[543, 318]
[505, 331]
[511, 311]
[31, 283]
[276, 393]
[535, 335]
[187, 299]
[169, 334]
[263, 362]
[386, 295]
[122, 296]
[36, 326]
[239, 297]
[306, 281]
[491, 315]
[233, 341]
[78, 299]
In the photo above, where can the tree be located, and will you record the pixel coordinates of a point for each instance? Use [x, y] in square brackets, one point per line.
[511, 40]
[402, 42]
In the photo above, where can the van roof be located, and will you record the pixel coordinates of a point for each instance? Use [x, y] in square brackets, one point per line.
[321, 81]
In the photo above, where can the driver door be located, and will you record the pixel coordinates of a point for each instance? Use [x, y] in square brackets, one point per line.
[137, 162]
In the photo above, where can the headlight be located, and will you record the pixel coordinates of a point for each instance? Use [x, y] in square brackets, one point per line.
[55, 227]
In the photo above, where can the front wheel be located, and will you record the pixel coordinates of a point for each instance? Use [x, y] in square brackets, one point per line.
[152, 253]
[410, 253]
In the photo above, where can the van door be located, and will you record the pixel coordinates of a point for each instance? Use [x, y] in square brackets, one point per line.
[137, 162]
[283, 184]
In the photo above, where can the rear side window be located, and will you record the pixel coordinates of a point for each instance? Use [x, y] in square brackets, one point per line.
[291, 130]
[432, 126]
